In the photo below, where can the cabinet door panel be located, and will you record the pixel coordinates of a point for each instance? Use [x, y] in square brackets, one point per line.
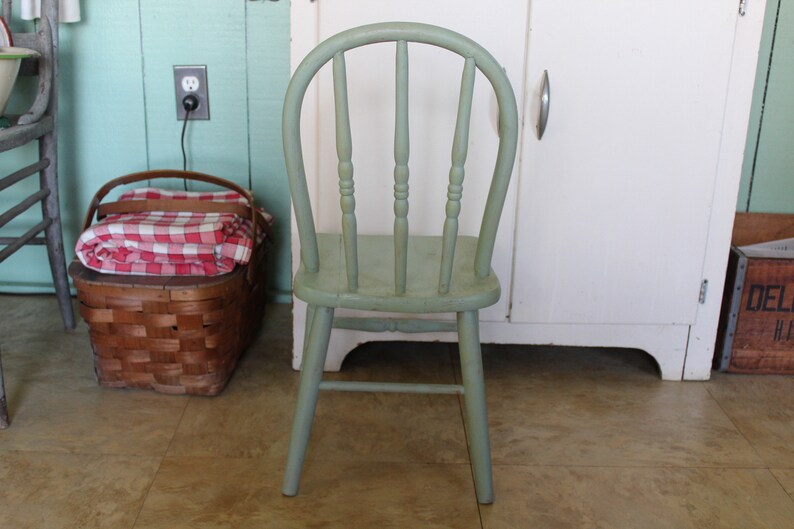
[614, 201]
[434, 86]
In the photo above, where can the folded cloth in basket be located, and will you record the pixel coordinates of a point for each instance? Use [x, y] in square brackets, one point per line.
[169, 243]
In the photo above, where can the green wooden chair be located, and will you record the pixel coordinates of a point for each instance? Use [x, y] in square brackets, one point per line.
[399, 272]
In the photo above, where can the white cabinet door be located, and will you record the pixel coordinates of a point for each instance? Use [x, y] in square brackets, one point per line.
[434, 87]
[614, 201]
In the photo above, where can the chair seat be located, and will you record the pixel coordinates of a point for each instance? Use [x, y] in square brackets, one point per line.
[328, 287]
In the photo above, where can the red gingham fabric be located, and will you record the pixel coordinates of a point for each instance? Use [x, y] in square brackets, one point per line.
[169, 243]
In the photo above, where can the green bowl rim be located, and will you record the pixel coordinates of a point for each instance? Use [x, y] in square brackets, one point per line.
[17, 53]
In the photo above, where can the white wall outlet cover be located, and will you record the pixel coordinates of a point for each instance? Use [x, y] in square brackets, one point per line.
[192, 80]
[190, 83]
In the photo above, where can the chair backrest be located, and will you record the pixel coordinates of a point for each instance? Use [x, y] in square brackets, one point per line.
[44, 40]
[475, 58]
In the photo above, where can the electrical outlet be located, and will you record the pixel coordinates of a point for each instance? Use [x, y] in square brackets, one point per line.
[190, 83]
[192, 80]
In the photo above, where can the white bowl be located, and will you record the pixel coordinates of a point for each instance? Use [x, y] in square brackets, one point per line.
[10, 59]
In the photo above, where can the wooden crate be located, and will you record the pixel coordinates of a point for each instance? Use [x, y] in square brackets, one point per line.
[757, 320]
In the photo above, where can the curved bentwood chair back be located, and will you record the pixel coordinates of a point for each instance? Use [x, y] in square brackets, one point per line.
[399, 272]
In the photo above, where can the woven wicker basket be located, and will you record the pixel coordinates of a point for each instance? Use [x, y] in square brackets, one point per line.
[172, 334]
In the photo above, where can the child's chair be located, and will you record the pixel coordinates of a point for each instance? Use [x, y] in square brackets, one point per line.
[400, 272]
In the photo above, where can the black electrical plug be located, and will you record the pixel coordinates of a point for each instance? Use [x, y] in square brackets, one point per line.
[190, 103]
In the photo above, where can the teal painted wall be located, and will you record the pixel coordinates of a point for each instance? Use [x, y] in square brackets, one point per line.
[117, 111]
[768, 172]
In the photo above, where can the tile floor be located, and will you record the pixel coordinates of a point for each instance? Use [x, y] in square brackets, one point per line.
[582, 438]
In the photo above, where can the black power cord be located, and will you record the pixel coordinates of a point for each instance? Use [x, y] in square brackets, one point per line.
[189, 103]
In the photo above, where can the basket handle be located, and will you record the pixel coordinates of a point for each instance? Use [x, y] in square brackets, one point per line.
[198, 206]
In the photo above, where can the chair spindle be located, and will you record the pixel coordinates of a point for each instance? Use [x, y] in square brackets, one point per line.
[460, 149]
[401, 171]
[344, 152]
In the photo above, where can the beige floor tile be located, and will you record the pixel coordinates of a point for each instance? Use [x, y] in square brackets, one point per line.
[56, 405]
[55, 358]
[641, 498]
[392, 426]
[253, 417]
[90, 420]
[273, 343]
[762, 408]
[610, 441]
[204, 493]
[34, 313]
[551, 407]
[69, 491]
[786, 479]
[389, 427]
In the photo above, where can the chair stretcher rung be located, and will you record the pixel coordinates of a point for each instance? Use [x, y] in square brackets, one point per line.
[391, 387]
[17, 210]
[13, 178]
[394, 325]
[41, 241]
[24, 239]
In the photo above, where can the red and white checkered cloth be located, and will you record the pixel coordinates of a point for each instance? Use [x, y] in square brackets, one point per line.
[169, 243]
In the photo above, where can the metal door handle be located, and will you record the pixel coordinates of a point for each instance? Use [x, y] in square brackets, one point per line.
[545, 101]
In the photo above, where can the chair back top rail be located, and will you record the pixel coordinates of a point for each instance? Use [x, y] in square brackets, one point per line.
[475, 58]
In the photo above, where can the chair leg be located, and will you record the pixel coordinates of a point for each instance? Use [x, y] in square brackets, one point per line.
[311, 373]
[3, 405]
[55, 253]
[307, 327]
[474, 400]
[54, 234]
